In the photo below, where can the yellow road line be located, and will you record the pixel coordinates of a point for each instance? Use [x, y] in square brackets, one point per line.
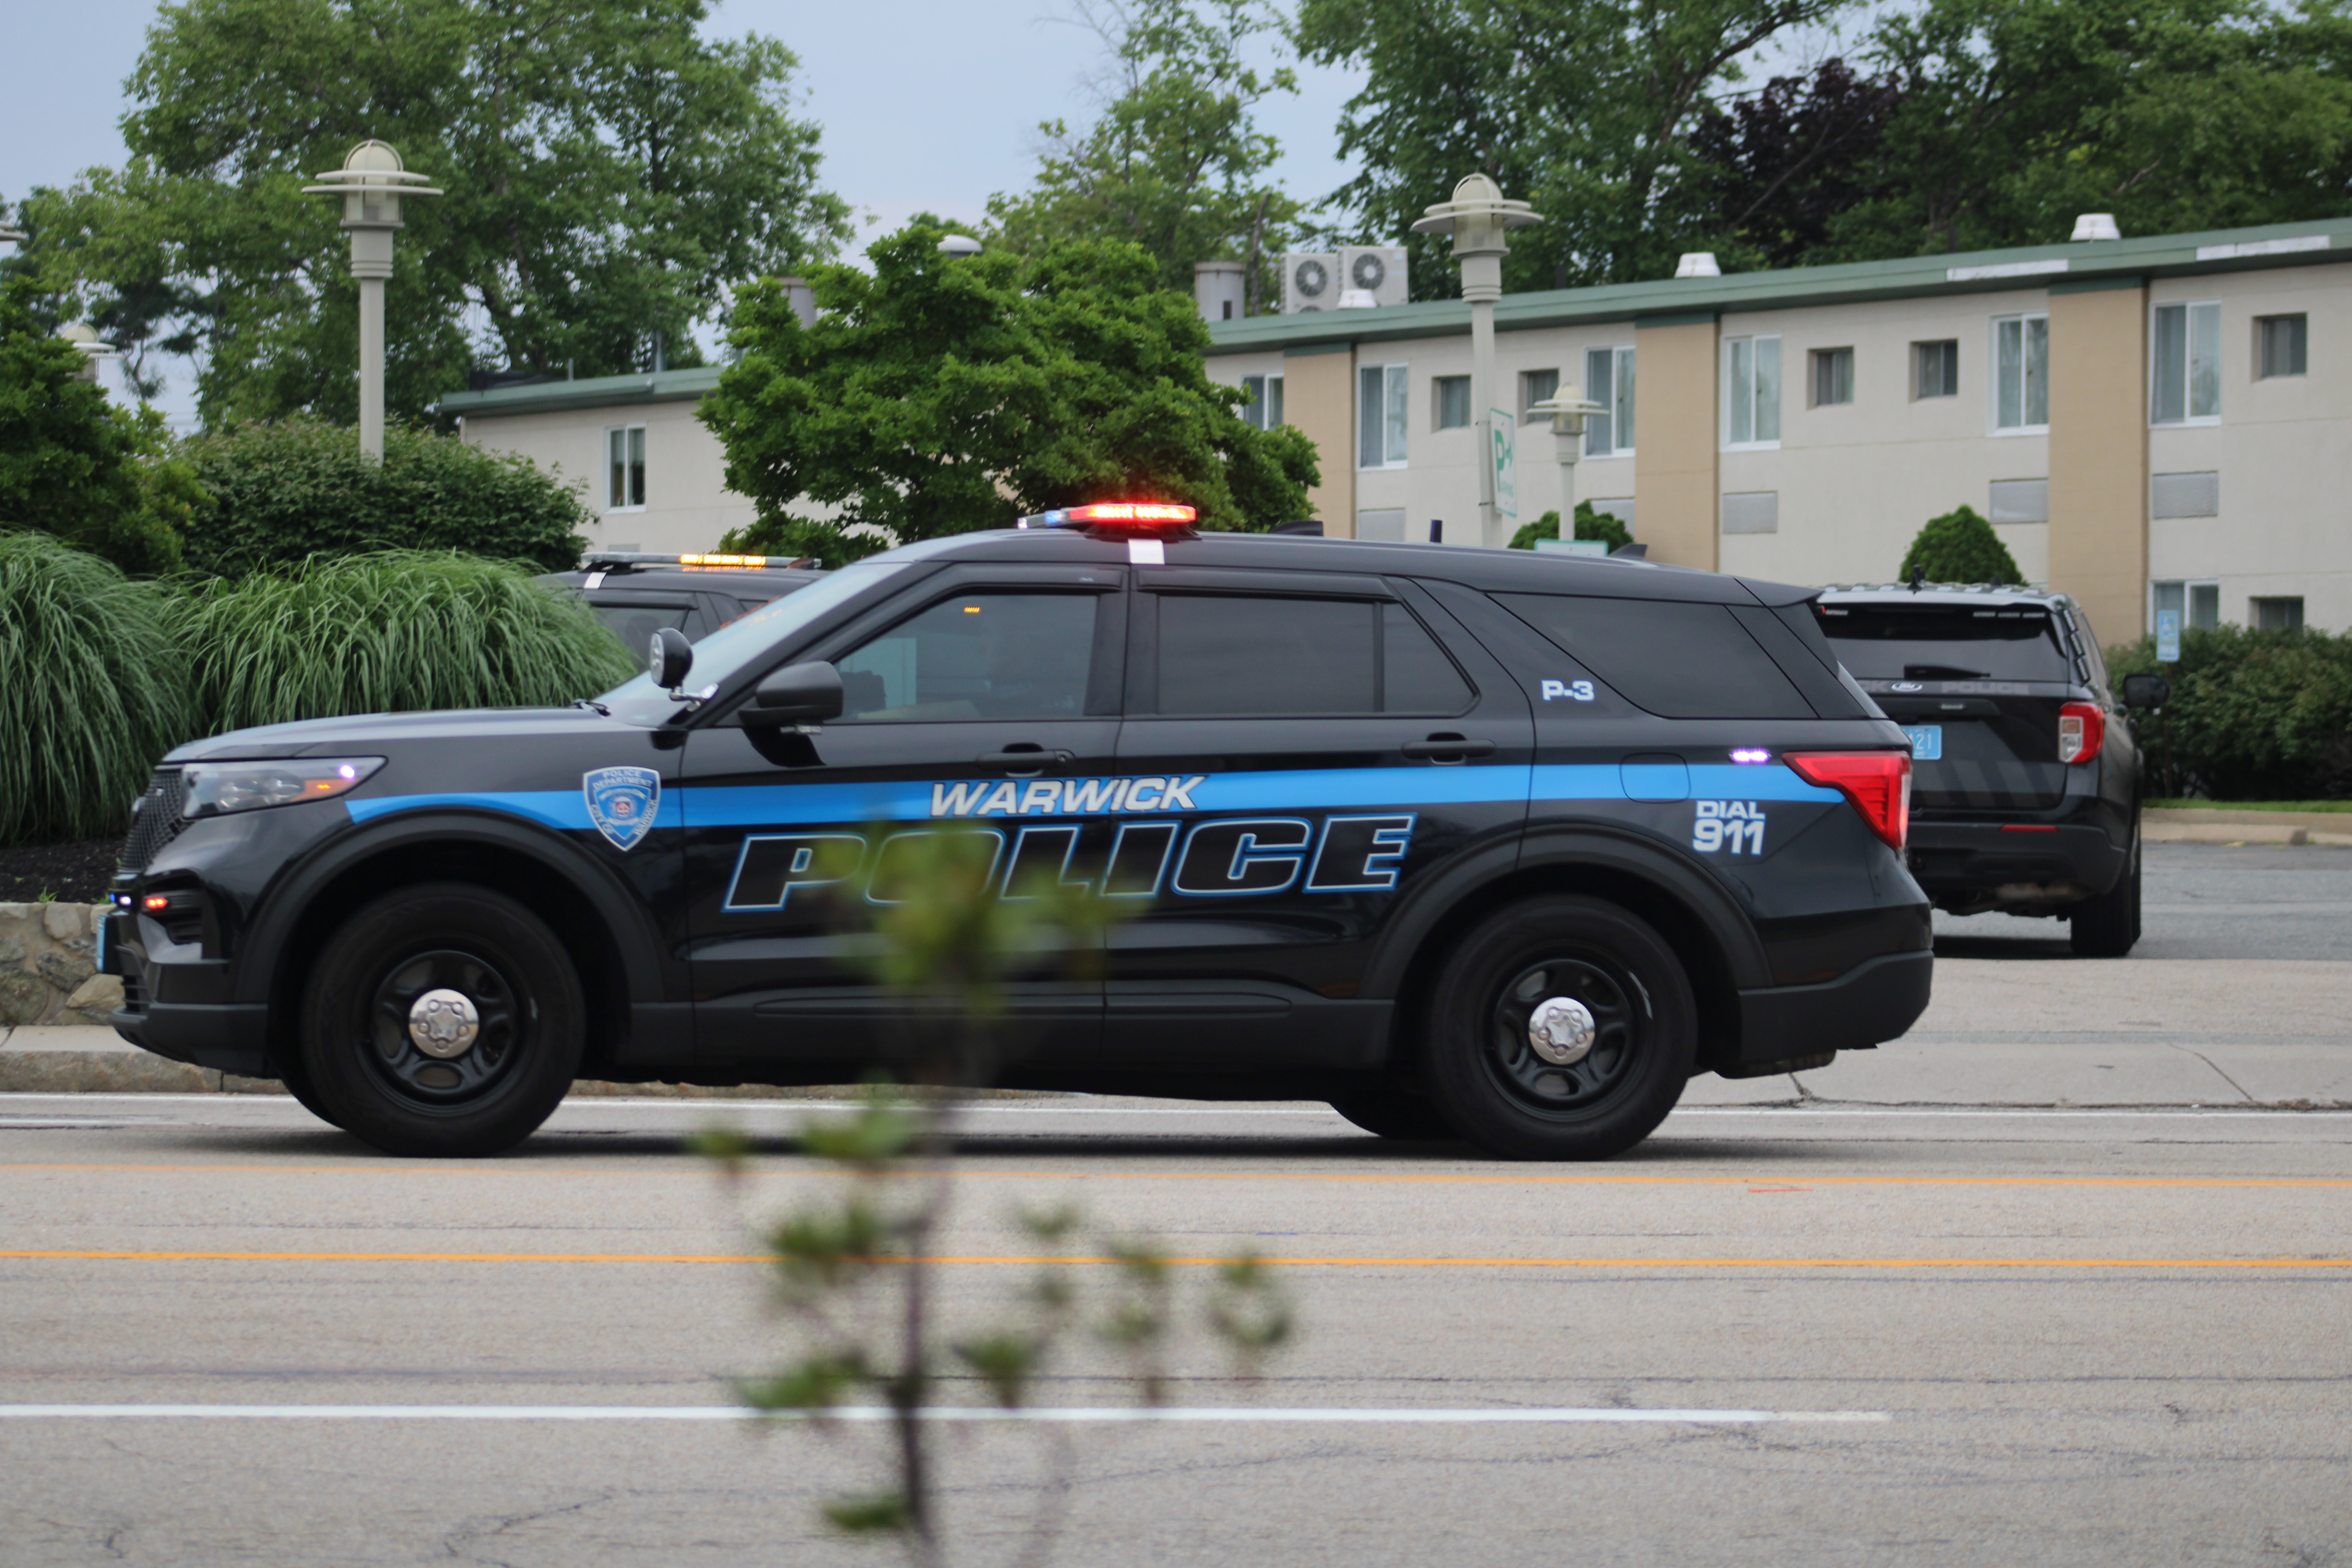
[1776, 1181]
[195, 1256]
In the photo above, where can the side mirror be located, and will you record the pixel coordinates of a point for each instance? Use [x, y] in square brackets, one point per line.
[2146, 691]
[668, 657]
[797, 694]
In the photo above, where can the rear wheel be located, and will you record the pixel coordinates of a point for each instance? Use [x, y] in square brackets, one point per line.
[1561, 1028]
[2108, 925]
[442, 1020]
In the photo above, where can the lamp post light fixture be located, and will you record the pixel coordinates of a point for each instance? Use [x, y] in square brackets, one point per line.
[11, 235]
[372, 182]
[1569, 408]
[1478, 218]
[959, 245]
[86, 339]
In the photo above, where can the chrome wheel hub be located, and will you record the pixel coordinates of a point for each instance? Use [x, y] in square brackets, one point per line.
[1561, 1030]
[444, 1024]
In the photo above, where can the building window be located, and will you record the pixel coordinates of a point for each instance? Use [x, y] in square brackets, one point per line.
[1536, 386]
[2200, 604]
[2021, 374]
[1752, 392]
[2184, 495]
[1380, 418]
[2277, 615]
[1608, 381]
[1832, 377]
[1449, 397]
[1264, 409]
[1936, 369]
[2187, 359]
[624, 458]
[2280, 345]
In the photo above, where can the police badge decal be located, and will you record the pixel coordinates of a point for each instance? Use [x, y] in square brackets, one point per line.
[621, 802]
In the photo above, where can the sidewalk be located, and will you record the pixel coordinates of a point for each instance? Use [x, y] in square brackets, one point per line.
[2196, 1032]
[2199, 825]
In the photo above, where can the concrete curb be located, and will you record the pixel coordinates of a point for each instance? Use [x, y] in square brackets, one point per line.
[2237, 833]
[2338, 822]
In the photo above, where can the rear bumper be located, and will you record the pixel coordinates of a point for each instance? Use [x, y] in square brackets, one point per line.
[1871, 1003]
[1953, 859]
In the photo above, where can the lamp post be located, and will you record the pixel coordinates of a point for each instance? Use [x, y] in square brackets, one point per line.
[1478, 218]
[1569, 408]
[371, 181]
[84, 338]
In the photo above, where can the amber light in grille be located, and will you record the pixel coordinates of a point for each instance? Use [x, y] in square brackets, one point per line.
[1877, 782]
[2082, 731]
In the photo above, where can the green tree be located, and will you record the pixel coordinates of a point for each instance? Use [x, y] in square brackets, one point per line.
[71, 462]
[1585, 110]
[276, 494]
[1961, 547]
[1604, 527]
[938, 395]
[1175, 162]
[610, 176]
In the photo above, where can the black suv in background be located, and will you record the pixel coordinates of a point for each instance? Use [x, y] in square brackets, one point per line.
[1459, 840]
[635, 594]
[2025, 776]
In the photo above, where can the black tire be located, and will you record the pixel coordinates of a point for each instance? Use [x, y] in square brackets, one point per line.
[297, 1079]
[476, 1097]
[1485, 1077]
[2108, 925]
[1394, 1112]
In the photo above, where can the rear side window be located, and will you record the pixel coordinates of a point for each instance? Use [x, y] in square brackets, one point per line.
[1677, 660]
[1268, 656]
[1946, 642]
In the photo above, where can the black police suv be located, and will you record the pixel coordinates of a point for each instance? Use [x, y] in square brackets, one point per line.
[2025, 776]
[636, 592]
[1459, 840]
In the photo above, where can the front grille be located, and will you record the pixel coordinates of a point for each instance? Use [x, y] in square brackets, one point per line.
[155, 820]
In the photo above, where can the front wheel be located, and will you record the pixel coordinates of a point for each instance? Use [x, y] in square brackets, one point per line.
[442, 1020]
[2108, 925]
[1561, 1028]
[1394, 1112]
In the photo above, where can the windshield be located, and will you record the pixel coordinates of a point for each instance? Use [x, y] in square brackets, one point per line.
[749, 638]
[1945, 642]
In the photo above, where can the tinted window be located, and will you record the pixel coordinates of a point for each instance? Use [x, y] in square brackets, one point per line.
[978, 656]
[1275, 657]
[1945, 642]
[635, 625]
[1677, 660]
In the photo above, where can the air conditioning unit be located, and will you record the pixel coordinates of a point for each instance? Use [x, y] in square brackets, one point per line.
[1310, 281]
[1377, 269]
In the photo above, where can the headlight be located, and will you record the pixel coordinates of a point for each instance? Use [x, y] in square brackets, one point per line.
[213, 788]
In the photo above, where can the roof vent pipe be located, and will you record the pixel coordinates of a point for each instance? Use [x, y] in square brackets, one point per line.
[1698, 264]
[2096, 226]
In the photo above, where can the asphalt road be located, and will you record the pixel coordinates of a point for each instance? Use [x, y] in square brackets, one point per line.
[2201, 900]
[2043, 1337]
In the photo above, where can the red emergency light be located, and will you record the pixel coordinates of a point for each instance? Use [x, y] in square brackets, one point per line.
[1124, 518]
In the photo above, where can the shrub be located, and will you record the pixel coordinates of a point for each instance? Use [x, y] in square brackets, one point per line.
[1961, 547]
[282, 492]
[2253, 715]
[398, 631]
[92, 690]
[1589, 524]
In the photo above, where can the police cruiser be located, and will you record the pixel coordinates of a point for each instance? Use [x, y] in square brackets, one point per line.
[1461, 841]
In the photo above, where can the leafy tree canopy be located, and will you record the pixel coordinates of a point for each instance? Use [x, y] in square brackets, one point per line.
[941, 393]
[1602, 526]
[72, 464]
[609, 173]
[1175, 162]
[277, 494]
[1961, 547]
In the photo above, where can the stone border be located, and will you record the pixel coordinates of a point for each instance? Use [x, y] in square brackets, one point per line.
[48, 966]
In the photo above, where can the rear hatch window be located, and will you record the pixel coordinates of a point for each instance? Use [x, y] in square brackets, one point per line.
[1978, 689]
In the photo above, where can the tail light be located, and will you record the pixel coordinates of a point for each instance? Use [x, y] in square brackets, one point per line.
[2082, 731]
[1877, 782]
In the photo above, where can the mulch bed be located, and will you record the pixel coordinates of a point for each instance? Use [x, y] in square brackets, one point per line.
[69, 873]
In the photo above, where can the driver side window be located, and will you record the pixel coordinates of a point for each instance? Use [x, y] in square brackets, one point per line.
[995, 655]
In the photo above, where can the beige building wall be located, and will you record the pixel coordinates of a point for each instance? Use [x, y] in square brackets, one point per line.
[688, 504]
[2098, 453]
[1675, 442]
[1319, 397]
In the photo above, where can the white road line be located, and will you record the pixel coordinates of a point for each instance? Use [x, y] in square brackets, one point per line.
[1079, 1416]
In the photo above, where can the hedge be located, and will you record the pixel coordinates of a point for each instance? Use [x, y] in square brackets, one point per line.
[2253, 715]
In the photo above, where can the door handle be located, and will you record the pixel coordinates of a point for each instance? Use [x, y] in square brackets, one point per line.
[1026, 760]
[1448, 749]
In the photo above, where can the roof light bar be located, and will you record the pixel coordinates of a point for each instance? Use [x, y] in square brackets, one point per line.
[1119, 517]
[652, 558]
